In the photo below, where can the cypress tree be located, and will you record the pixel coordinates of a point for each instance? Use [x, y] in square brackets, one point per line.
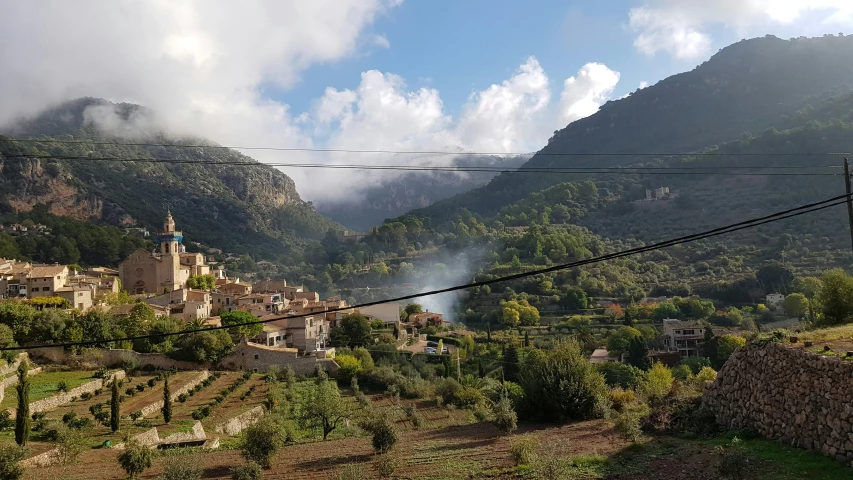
[115, 407]
[511, 363]
[167, 401]
[480, 369]
[22, 417]
[527, 338]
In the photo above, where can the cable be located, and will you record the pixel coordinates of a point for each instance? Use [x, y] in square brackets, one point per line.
[417, 152]
[785, 214]
[417, 168]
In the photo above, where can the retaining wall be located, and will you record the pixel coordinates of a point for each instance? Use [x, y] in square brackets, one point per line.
[117, 357]
[13, 380]
[45, 459]
[787, 394]
[197, 434]
[241, 422]
[156, 406]
[59, 399]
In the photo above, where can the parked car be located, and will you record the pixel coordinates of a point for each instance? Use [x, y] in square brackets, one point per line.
[445, 351]
[429, 350]
[432, 344]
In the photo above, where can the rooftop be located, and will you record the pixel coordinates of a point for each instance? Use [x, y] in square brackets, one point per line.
[44, 271]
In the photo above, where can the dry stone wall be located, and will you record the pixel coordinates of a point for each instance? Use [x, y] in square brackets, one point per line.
[156, 406]
[60, 399]
[11, 381]
[241, 422]
[787, 394]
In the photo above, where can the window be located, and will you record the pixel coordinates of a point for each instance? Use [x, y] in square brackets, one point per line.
[678, 332]
[79, 294]
[688, 332]
[257, 357]
[46, 289]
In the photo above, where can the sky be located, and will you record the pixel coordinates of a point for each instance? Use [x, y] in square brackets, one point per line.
[474, 76]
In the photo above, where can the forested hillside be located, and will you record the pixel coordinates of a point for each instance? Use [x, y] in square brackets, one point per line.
[750, 86]
[246, 209]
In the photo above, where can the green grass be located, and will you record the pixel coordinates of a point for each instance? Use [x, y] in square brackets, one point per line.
[788, 463]
[45, 384]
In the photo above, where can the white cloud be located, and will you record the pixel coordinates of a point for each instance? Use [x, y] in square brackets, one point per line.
[679, 27]
[644, 84]
[584, 94]
[203, 66]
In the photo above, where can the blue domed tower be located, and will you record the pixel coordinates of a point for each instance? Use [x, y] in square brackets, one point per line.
[169, 239]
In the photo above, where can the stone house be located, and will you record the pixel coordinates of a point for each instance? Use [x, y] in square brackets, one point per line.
[425, 319]
[79, 297]
[13, 278]
[684, 337]
[775, 301]
[253, 356]
[306, 333]
[389, 313]
[184, 304]
[45, 280]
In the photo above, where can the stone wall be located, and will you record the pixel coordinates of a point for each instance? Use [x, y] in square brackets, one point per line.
[59, 399]
[197, 434]
[116, 357]
[787, 394]
[12, 380]
[156, 406]
[240, 422]
[45, 459]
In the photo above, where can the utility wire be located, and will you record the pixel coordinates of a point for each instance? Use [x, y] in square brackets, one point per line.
[782, 215]
[712, 170]
[418, 152]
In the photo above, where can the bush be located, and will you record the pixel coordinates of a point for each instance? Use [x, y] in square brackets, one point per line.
[523, 449]
[734, 461]
[564, 386]
[658, 381]
[351, 471]
[707, 374]
[129, 391]
[140, 387]
[250, 471]
[136, 416]
[100, 372]
[86, 396]
[152, 382]
[348, 367]
[62, 386]
[10, 455]
[386, 464]
[468, 397]
[68, 417]
[261, 441]
[384, 435]
[182, 397]
[504, 416]
[628, 425]
[621, 375]
[135, 458]
[620, 399]
[6, 420]
[185, 467]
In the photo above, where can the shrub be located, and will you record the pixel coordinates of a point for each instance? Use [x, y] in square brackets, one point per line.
[100, 373]
[140, 387]
[62, 386]
[135, 458]
[351, 471]
[6, 420]
[504, 416]
[386, 465]
[80, 423]
[620, 374]
[628, 425]
[734, 461]
[136, 415]
[707, 374]
[182, 397]
[250, 471]
[384, 435]
[68, 417]
[129, 391]
[564, 386]
[523, 449]
[261, 441]
[185, 467]
[86, 396]
[10, 455]
[658, 381]
[468, 397]
[620, 399]
[70, 443]
[348, 367]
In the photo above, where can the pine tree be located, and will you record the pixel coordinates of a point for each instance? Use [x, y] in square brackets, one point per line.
[628, 320]
[510, 361]
[22, 416]
[115, 407]
[167, 401]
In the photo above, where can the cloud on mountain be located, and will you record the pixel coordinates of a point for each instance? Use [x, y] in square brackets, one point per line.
[681, 27]
[203, 67]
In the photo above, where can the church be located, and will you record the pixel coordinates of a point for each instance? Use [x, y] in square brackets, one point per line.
[164, 270]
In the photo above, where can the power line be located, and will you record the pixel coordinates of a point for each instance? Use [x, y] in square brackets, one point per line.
[419, 152]
[713, 170]
[782, 215]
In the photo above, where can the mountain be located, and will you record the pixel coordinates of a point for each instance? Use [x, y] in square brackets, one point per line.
[392, 197]
[750, 86]
[251, 208]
